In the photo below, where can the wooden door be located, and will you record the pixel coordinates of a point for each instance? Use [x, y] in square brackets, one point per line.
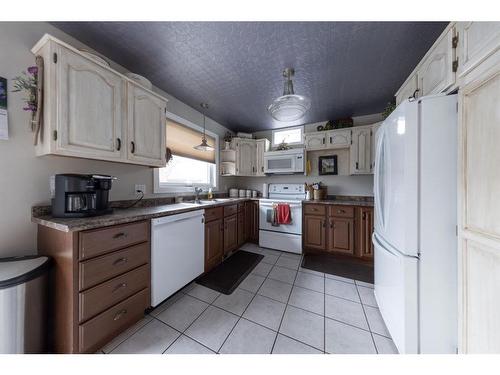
[436, 73]
[314, 232]
[338, 138]
[364, 232]
[90, 120]
[340, 236]
[479, 209]
[315, 141]
[146, 127]
[360, 153]
[230, 233]
[246, 157]
[214, 232]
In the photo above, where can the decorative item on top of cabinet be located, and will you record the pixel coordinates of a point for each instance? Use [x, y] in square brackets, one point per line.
[86, 107]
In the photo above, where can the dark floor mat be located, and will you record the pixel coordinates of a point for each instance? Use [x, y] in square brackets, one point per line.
[229, 274]
[339, 266]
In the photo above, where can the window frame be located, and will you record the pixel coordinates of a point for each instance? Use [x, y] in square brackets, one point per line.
[300, 127]
[162, 188]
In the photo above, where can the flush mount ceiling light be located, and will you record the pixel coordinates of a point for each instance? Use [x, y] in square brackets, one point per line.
[204, 146]
[289, 107]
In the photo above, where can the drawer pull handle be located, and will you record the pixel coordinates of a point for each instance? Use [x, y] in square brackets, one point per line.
[341, 211]
[120, 261]
[120, 314]
[119, 286]
[120, 235]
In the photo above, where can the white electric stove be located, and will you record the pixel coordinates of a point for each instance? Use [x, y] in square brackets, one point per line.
[284, 237]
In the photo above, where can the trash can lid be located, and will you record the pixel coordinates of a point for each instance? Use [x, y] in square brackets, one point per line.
[18, 270]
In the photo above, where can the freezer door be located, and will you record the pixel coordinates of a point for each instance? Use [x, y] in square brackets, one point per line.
[396, 292]
[396, 179]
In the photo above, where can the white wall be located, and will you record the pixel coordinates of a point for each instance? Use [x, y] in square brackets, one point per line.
[24, 178]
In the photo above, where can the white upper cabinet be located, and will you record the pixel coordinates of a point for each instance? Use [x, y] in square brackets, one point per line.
[408, 90]
[315, 141]
[89, 114]
[436, 74]
[246, 151]
[91, 111]
[476, 42]
[360, 152]
[340, 138]
[262, 146]
[146, 127]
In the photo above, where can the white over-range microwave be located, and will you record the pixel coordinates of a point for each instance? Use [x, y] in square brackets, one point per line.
[284, 162]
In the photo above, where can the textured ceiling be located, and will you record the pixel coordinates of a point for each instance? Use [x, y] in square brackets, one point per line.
[346, 68]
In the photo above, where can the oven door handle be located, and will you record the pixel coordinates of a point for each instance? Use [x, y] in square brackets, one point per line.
[271, 204]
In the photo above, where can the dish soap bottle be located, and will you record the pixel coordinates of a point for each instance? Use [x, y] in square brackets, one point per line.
[210, 194]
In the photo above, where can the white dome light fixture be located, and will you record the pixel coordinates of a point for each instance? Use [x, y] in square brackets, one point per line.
[289, 106]
[204, 146]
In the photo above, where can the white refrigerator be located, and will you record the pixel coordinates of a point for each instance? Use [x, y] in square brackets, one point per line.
[415, 224]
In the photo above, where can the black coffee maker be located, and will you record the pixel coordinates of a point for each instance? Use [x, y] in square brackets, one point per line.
[81, 195]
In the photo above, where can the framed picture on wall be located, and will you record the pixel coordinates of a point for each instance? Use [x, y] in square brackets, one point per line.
[327, 165]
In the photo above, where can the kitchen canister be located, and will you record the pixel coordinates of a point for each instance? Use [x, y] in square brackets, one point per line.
[249, 193]
[242, 193]
[264, 190]
[233, 193]
[254, 193]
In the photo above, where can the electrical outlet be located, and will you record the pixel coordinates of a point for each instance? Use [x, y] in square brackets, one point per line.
[140, 188]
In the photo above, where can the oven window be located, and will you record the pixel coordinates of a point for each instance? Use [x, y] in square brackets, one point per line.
[275, 164]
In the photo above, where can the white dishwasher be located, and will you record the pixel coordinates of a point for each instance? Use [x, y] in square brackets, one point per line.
[177, 253]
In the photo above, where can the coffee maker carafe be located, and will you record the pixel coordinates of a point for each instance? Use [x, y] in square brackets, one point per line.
[81, 195]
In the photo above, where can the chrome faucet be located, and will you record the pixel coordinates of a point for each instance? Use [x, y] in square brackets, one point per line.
[197, 191]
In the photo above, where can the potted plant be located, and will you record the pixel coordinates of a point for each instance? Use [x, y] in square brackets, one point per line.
[228, 137]
[27, 83]
[390, 107]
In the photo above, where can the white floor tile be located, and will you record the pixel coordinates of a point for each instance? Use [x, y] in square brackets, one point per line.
[252, 283]
[341, 338]
[284, 254]
[169, 302]
[276, 290]
[262, 269]
[235, 302]
[186, 345]
[303, 326]
[308, 300]
[367, 296]
[286, 345]
[267, 251]
[375, 321]
[362, 283]
[288, 263]
[212, 327]
[265, 311]
[270, 259]
[126, 334]
[312, 272]
[249, 338]
[384, 345]
[205, 294]
[341, 289]
[310, 281]
[183, 312]
[346, 311]
[251, 247]
[282, 274]
[153, 338]
[340, 278]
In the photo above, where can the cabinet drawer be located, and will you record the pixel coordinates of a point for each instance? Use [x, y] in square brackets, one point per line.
[230, 210]
[105, 295]
[213, 214]
[314, 209]
[99, 330]
[97, 270]
[342, 211]
[100, 241]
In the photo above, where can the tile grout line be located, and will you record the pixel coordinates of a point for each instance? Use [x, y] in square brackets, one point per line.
[367, 322]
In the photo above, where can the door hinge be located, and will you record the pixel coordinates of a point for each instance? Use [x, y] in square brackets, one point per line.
[54, 135]
[454, 65]
[54, 58]
[454, 41]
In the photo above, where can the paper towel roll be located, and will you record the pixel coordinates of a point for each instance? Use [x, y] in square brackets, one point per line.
[264, 190]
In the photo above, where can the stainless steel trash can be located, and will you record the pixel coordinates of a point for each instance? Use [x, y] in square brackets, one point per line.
[23, 304]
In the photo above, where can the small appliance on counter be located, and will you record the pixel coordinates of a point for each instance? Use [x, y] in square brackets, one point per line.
[233, 193]
[80, 195]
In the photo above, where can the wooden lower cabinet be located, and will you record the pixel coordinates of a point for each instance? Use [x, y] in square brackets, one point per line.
[242, 225]
[252, 219]
[340, 230]
[230, 233]
[214, 243]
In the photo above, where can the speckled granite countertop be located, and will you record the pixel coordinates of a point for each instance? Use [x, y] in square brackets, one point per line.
[121, 215]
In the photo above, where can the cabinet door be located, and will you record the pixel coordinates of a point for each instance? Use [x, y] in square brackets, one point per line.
[360, 153]
[146, 127]
[436, 73]
[338, 138]
[245, 155]
[373, 142]
[214, 232]
[90, 118]
[230, 233]
[364, 232]
[341, 236]
[408, 89]
[315, 141]
[253, 221]
[262, 146]
[314, 232]
[241, 228]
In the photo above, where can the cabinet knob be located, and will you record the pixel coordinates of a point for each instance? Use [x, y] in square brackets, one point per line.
[120, 314]
[120, 261]
[132, 145]
[340, 211]
[118, 144]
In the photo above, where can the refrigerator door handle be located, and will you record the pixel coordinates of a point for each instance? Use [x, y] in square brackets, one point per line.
[377, 183]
